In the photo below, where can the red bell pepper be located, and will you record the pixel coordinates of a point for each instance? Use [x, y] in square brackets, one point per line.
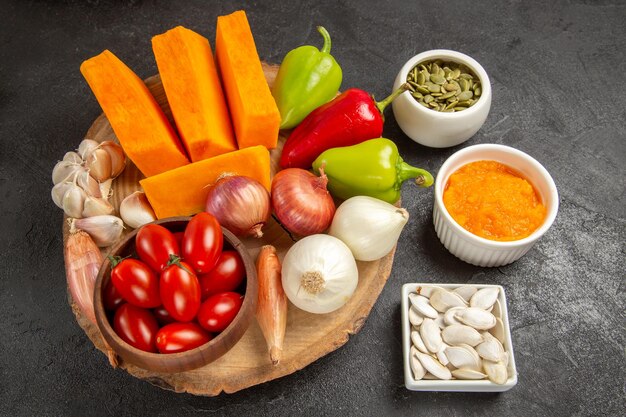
[350, 118]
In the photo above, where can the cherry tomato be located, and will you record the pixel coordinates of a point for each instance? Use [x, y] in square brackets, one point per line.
[162, 316]
[202, 243]
[136, 282]
[136, 326]
[111, 297]
[154, 245]
[179, 238]
[180, 291]
[226, 276]
[219, 310]
[179, 337]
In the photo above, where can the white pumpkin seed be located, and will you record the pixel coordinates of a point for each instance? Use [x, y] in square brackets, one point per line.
[498, 330]
[433, 366]
[448, 317]
[415, 317]
[491, 349]
[427, 291]
[460, 333]
[422, 305]
[418, 342]
[497, 309]
[416, 365]
[476, 318]
[441, 355]
[466, 373]
[431, 335]
[440, 321]
[443, 300]
[429, 376]
[496, 371]
[484, 298]
[465, 291]
[464, 356]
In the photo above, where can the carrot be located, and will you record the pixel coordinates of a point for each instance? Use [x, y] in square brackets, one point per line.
[136, 118]
[256, 118]
[183, 191]
[272, 302]
[194, 92]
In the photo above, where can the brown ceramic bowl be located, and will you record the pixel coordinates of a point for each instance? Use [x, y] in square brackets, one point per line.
[191, 359]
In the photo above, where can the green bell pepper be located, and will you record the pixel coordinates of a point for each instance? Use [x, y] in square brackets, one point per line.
[373, 168]
[307, 78]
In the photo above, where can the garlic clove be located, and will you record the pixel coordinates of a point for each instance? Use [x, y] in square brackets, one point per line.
[85, 148]
[64, 171]
[88, 183]
[118, 158]
[96, 206]
[105, 230]
[73, 157]
[58, 192]
[98, 163]
[74, 201]
[136, 210]
[105, 188]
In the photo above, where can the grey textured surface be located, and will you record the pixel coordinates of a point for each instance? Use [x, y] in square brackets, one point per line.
[557, 73]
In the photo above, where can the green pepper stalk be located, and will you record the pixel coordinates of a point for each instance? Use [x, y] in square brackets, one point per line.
[307, 78]
[373, 168]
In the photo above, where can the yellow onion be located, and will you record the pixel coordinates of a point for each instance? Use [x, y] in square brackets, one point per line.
[240, 204]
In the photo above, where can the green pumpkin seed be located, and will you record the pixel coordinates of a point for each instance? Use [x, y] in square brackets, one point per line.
[447, 110]
[428, 98]
[459, 108]
[421, 78]
[466, 76]
[447, 95]
[437, 79]
[434, 88]
[417, 95]
[433, 104]
[423, 89]
[436, 94]
[478, 92]
[451, 105]
[465, 95]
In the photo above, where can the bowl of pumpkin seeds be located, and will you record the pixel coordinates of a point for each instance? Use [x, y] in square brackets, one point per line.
[448, 99]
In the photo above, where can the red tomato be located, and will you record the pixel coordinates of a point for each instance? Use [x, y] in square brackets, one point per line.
[179, 238]
[219, 310]
[111, 297]
[136, 282]
[162, 316]
[226, 276]
[202, 243]
[154, 245]
[180, 291]
[179, 337]
[136, 326]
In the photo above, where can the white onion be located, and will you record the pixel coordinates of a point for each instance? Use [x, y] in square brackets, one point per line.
[319, 274]
[368, 226]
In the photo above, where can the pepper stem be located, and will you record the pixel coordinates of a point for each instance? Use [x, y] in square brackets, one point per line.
[381, 105]
[326, 36]
[422, 177]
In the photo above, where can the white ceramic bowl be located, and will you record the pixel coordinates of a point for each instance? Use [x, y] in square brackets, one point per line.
[475, 249]
[433, 128]
[454, 384]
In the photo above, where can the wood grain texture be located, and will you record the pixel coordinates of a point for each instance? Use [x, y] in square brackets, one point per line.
[308, 336]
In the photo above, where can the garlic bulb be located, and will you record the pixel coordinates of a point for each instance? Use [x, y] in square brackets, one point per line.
[85, 147]
[136, 210]
[98, 163]
[319, 274]
[105, 230]
[368, 226]
[73, 201]
[96, 206]
[65, 171]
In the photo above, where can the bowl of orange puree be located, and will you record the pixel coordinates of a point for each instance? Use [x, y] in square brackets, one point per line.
[492, 203]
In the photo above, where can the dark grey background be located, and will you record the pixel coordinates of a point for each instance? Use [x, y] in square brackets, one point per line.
[557, 70]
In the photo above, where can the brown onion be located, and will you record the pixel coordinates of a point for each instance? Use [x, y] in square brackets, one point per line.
[301, 201]
[240, 204]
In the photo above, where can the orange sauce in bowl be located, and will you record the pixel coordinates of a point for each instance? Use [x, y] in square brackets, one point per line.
[493, 201]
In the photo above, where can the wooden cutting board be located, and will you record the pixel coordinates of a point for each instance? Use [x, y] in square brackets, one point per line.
[308, 336]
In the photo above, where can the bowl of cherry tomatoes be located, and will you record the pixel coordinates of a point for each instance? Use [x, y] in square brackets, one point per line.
[176, 294]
